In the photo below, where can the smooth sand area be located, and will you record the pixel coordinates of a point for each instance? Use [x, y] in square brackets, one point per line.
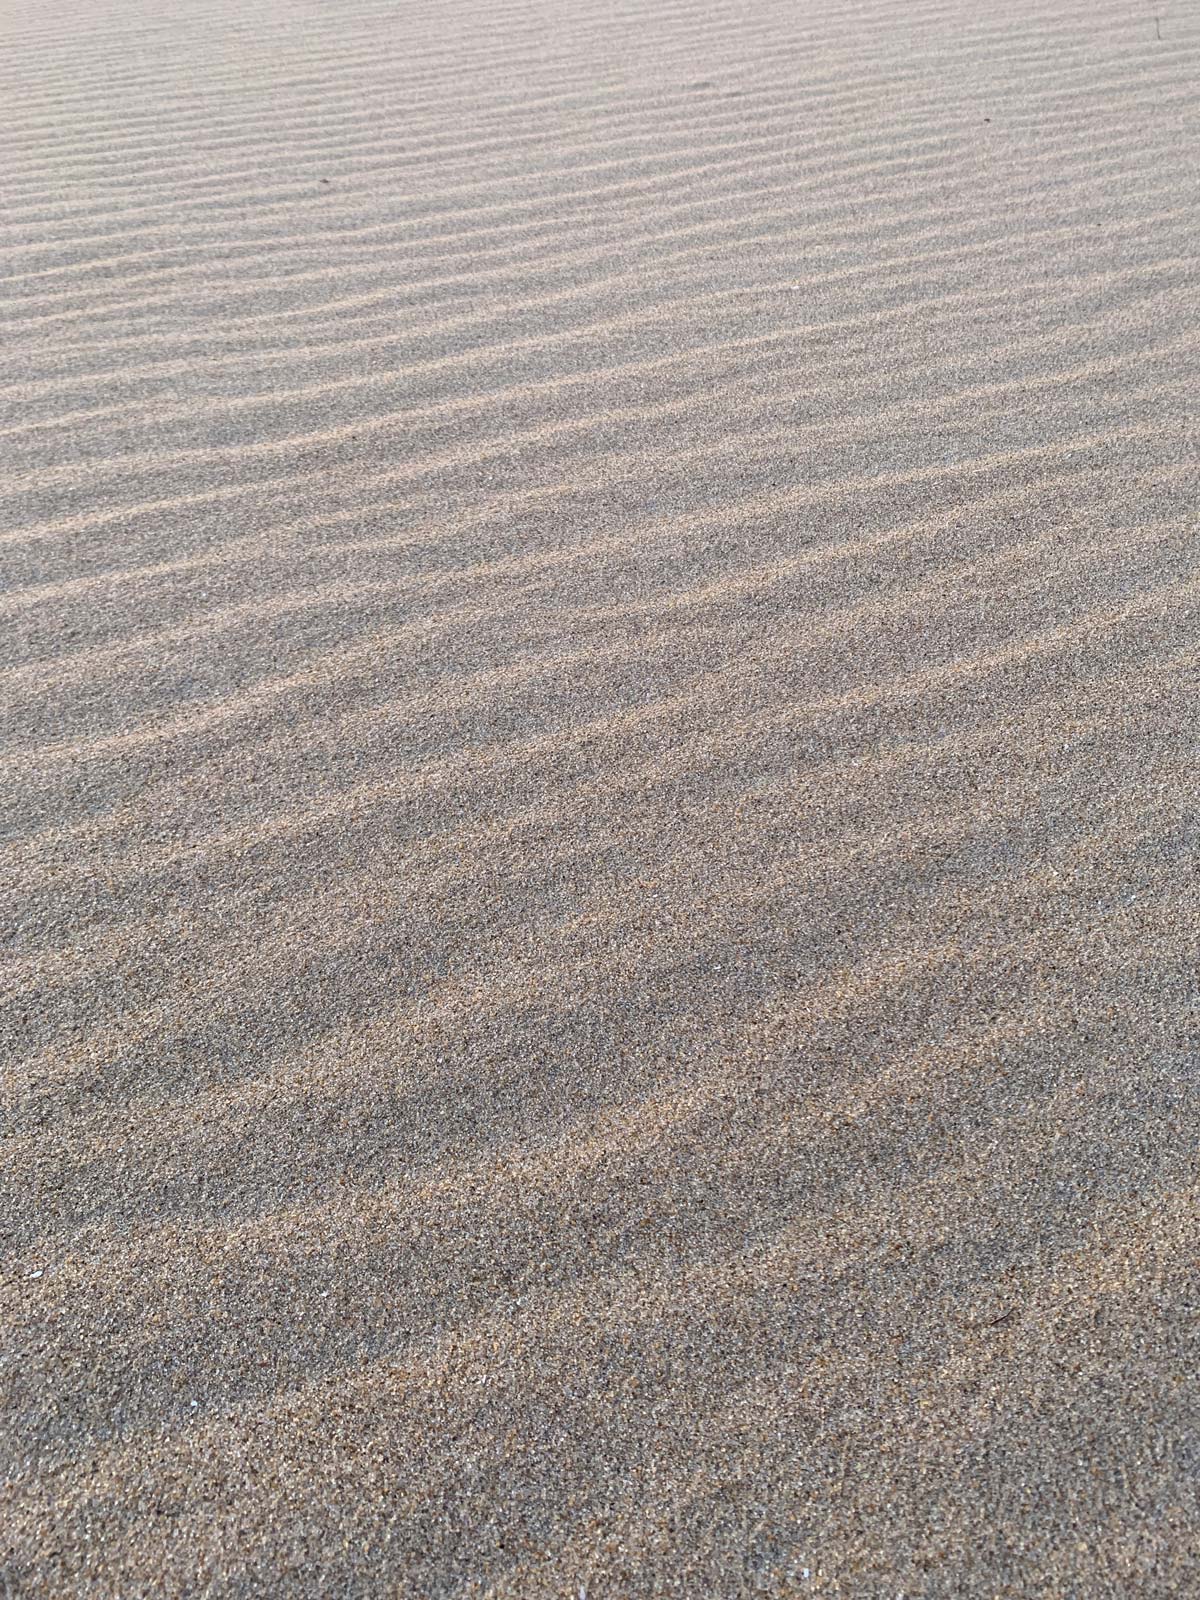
[600, 655]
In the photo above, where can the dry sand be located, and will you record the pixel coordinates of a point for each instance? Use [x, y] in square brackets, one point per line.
[601, 664]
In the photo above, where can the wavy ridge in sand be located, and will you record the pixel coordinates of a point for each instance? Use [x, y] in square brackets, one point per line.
[601, 642]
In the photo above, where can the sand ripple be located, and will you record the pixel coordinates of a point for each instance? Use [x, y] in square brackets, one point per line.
[599, 651]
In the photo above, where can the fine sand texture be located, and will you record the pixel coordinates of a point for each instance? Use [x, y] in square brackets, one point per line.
[600, 657]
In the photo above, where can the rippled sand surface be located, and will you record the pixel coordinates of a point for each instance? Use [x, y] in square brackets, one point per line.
[600, 659]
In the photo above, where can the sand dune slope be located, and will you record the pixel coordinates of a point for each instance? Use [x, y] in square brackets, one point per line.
[600, 663]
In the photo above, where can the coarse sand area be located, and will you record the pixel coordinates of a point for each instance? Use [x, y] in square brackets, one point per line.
[600, 879]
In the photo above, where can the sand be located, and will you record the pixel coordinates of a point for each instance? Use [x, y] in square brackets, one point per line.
[600, 657]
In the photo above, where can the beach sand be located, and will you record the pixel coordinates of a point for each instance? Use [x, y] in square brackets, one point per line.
[600, 656]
